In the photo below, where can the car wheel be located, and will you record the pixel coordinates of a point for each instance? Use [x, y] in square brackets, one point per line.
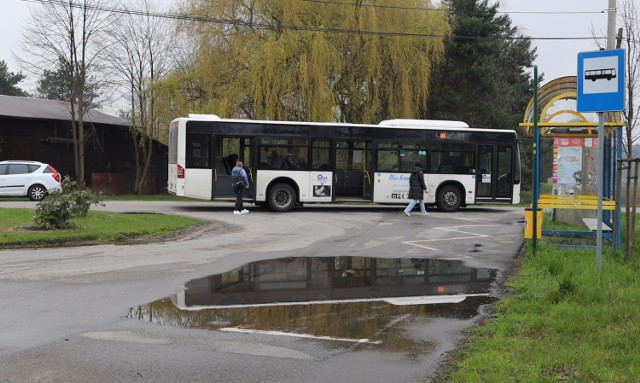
[449, 198]
[282, 197]
[37, 192]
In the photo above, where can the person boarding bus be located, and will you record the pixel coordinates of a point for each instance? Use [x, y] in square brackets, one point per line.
[240, 181]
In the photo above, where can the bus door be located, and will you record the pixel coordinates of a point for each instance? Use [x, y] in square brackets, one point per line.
[494, 181]
[227, 151]
[353, 172]
[505, 168]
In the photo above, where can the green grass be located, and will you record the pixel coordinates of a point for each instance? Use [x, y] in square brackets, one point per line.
[549, 224]
[525, 198]
[562, 321]
[16, 228]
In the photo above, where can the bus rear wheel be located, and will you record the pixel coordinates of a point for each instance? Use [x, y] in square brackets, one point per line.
[282, 197]
[449, 198]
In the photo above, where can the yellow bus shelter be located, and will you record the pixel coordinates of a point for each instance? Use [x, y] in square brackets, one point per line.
[557, 118]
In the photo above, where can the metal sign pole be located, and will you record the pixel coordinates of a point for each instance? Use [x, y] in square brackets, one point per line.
[611, 28]
[600, 187]
[536, 161]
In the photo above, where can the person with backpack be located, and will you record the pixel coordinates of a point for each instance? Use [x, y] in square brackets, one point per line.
[417, 188]
[239, 181]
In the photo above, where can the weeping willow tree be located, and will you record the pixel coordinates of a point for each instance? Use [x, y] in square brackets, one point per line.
[358, 61]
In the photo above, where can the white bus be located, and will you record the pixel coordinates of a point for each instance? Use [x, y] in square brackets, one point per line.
[293, 163]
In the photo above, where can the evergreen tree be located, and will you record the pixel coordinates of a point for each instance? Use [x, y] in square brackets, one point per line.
[9, 80]
[483, 80]
[53, 85]
[57, 84]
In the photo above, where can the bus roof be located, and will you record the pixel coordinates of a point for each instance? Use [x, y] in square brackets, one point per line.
[204, 116]
[406, 123]
[395, 123]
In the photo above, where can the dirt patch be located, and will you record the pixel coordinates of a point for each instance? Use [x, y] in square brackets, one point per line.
[189, 233]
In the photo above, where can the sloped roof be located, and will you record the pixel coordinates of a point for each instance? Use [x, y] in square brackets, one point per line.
[35, 108]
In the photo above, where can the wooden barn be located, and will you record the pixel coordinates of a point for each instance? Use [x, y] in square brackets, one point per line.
[40, 130]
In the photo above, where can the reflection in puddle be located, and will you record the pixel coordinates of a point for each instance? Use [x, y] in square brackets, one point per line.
[342, 299]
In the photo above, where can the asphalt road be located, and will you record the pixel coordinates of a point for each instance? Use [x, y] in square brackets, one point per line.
[62, 316]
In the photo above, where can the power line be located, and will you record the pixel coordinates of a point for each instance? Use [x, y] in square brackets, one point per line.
[555, 12]
[446, 10]
[261, 26]
[378, 6]
[62, 2]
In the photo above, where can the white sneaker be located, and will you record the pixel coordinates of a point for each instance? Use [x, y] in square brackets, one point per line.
[245, 211]
[407, 213]
[425, 213]
[237, 212]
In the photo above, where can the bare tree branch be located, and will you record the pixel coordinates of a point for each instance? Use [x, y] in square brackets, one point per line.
[140, 52]
[62, 35]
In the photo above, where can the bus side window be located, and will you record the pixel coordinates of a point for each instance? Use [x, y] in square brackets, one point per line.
[197, 151]
[436, 160]
[274, 161]
[389, 160]
[446, 169]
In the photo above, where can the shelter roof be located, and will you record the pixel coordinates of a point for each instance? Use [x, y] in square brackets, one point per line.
[34, 108]
[563, 88]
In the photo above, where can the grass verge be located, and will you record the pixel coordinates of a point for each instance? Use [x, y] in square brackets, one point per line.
[97, 228]
[562, 321]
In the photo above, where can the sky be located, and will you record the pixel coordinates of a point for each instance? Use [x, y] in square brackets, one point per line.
[538, 19]
[559, 19]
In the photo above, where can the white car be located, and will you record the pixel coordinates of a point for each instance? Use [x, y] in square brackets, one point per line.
[32, 179]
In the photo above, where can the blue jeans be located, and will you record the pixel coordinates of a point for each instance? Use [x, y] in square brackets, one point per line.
[413, 203]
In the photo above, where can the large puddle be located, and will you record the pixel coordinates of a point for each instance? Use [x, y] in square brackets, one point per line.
[342, 299]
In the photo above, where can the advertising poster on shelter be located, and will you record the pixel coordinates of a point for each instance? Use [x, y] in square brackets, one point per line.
[567, 164]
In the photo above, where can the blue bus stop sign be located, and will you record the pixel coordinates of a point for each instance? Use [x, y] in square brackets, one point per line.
[601, 81]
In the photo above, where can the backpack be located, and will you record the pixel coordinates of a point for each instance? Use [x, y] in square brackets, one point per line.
[237, 182]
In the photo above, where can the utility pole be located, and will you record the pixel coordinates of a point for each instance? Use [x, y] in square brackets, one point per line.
[611, 38]
[611, 24]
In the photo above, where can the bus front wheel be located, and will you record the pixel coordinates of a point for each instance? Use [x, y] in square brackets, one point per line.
[282, 197]
[449, 198]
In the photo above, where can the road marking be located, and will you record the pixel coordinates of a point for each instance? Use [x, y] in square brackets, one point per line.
[431, 299]
[474, 220]
[447, 228]
[413, 243]
[123, 336]
[309, 336]
[473, 235]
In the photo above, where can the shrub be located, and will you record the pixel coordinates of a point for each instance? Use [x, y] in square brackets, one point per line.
[57, 210]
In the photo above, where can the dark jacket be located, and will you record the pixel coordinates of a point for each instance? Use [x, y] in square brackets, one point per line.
[416, 184]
